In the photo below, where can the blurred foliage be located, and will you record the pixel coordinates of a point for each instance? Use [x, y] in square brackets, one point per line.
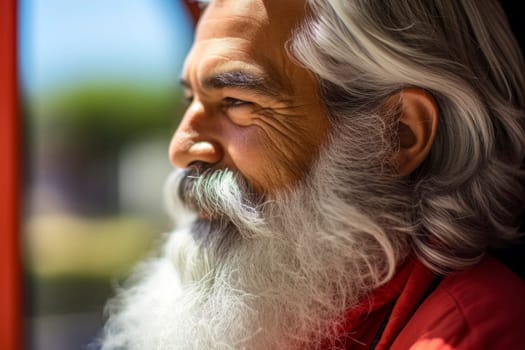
[67, 294]
[76, 262]
[63, 245]
[75, 137]
[101, 115]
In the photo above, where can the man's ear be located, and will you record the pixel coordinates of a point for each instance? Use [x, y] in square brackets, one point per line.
[417, 128]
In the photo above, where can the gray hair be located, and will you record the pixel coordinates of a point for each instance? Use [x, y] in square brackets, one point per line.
[467, 194]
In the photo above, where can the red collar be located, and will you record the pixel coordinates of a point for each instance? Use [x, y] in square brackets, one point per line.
[395, 301]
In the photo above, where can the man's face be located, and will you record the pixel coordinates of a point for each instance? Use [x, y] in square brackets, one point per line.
[252, 109]
[270, 274]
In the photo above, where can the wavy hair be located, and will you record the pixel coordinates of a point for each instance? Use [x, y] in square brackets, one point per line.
[467, 194]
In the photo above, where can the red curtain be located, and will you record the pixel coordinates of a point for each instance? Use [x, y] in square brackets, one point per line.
[10, 289]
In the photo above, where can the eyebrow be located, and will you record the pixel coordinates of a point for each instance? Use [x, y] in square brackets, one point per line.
[240, 80]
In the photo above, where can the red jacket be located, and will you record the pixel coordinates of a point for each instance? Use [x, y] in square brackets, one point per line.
[482, 308]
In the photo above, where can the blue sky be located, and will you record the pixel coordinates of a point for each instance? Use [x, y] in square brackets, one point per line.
[66, 41]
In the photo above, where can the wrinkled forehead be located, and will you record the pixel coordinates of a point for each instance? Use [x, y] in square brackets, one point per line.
[258, 20]
[250, 35]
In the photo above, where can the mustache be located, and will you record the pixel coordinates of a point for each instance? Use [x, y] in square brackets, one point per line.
[217, 193]
[188, 183]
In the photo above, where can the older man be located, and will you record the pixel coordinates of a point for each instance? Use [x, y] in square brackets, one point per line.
[348, 164]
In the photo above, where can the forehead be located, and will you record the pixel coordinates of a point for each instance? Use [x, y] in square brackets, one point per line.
[250, 34]
[273, 19]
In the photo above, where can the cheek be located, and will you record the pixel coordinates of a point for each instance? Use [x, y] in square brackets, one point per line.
[269, 159]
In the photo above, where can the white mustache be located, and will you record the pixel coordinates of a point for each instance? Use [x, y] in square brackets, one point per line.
[220, 196]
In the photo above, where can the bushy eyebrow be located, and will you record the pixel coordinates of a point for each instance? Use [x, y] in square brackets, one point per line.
[240, 80]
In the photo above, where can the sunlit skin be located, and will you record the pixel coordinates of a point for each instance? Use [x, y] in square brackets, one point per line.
[251, 108]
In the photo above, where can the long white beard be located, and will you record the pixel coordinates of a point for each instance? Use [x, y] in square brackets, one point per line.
[281, 276]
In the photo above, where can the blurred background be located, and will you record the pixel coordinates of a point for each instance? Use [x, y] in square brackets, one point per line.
[100, 100]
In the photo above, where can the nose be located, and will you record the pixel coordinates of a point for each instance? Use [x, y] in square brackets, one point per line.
[196, 139]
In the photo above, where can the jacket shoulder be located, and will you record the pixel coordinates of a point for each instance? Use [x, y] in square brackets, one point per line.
[479, 308]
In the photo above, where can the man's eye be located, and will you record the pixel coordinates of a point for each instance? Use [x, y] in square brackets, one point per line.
[230, 102]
